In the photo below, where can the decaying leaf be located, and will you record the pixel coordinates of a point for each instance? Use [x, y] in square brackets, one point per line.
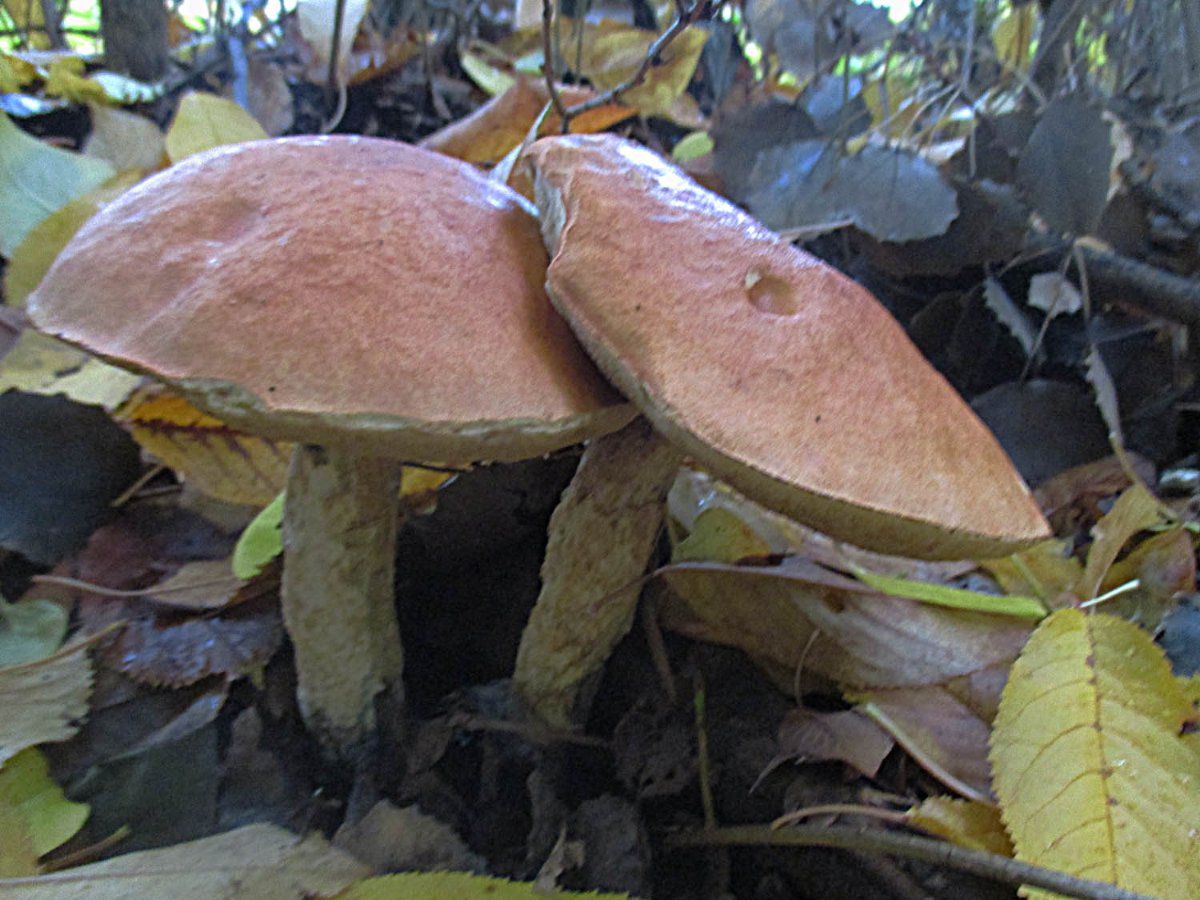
[36, 179]
[847, 736]
[460, 885]
[220, 461]
[1091, 773]
[45, 700]
[36, 817]
[158, 651]
[945, 736]
[260, 861]
[1054, 294]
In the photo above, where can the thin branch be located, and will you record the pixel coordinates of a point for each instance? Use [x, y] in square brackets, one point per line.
[992, 866]
[548, 62]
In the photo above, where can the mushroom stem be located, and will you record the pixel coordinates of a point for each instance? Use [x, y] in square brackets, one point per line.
[339, 538]
[602, 535]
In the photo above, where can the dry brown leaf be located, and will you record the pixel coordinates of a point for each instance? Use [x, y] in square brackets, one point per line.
[866, 639]
[262, 862]
[46, 700]
[846, 736]
[945, 737]
[485, 136]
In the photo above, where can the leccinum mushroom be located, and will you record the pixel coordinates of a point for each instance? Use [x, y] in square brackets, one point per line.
[769, 368]
[373, 302]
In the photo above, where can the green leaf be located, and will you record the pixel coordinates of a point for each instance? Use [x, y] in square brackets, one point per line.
[261, 542]
[953, 598]
[48, 817]
[30, 630]
[37, 179]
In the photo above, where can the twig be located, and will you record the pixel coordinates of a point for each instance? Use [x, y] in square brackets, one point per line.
[685, 15]
[939, 853]
[548, 62]
[1141, 284]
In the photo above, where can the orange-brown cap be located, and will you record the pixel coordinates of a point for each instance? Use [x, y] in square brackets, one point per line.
[336, 290]
[770, 368]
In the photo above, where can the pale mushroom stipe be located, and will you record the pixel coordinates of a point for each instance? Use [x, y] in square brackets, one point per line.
[766, 366]
[374, 302]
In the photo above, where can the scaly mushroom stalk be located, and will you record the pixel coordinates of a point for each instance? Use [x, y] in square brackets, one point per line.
[339, 537]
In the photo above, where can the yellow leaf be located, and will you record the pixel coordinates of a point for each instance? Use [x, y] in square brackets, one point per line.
[720, 535]
[217, 459]
[1135, 510]
[33, 256]
[47, 816]
[965, 822]
[1044, 570]
[204, 121]
[1012, 36]
[666, 80]
[490, 78]
[126, 140]
[15, 73]
[41, 364]
[1089, 768]
[28, 18]
[65, 78]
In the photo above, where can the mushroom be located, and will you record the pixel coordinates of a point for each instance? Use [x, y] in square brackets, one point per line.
[373, 302]
[766, 366]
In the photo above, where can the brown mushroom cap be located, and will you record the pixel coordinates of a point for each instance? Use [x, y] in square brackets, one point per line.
[341, 291]
[777, 373]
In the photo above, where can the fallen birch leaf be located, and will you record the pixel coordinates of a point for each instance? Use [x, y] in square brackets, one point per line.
[846, 736]
[952, 597]
[40, 364]
[204, 121]
[126, 140]
[261, 541]
[46, 700]
[37, 807]
[259, 861]
[1092, 776]
[1135, 510]
[218, 460]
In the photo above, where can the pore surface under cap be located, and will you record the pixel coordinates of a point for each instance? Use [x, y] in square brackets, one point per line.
[335, 290]
[770, 368]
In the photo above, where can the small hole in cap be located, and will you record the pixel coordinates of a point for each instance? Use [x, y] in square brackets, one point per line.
[770, 294]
